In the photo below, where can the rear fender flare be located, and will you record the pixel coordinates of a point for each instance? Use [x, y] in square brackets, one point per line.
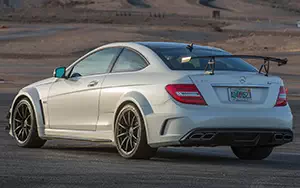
[140, 101]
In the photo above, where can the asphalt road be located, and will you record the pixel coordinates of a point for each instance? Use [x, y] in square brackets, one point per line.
[62, 163]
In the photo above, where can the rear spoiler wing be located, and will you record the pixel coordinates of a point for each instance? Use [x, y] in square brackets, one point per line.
[211, 64]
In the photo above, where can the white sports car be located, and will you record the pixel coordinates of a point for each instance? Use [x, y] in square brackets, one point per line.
[145, 95]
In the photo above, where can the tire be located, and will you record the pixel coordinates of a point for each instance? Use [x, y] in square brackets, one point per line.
[252, 153]
[24, 126]
[130, 134]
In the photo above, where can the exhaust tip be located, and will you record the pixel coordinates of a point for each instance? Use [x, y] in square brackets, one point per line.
[287, 137]
[202, 136]
[208, 136]
[197, 136]
[278, 137]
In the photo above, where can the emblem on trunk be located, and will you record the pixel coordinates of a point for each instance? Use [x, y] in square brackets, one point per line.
[242, 79]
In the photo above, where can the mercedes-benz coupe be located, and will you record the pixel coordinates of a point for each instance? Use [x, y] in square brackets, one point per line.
[144, 95]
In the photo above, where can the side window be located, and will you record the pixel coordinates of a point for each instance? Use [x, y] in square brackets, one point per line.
[129, 61]
[97, 63]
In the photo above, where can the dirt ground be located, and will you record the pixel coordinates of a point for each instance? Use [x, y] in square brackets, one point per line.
[30, 51]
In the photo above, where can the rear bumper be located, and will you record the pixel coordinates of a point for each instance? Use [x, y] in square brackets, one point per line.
[237, 137]
[172, 123]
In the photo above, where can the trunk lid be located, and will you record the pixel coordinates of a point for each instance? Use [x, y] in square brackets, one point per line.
[232, 89]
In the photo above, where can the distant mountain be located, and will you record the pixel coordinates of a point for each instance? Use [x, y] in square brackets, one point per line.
[288, 5]
[228, 8]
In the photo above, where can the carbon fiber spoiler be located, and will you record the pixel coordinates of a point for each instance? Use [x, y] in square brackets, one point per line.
[265, 66]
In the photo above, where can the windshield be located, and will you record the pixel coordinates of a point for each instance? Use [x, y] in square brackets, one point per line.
[172, 57]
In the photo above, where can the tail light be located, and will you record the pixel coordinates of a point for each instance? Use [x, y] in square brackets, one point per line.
[282, 97]
[186, 93]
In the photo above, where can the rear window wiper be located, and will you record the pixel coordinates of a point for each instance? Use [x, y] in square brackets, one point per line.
[212, 61]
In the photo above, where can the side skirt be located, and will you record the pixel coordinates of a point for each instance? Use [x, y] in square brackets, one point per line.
[97, 136]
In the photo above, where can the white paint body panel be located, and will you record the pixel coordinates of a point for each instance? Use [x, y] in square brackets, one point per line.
[72, 105]
[72, 110]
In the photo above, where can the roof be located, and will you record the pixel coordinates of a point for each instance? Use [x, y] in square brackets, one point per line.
[164, 45]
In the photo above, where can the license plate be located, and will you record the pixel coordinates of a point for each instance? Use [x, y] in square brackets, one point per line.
[240, 94]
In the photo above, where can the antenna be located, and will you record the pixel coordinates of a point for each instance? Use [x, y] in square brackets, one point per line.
[190, 47]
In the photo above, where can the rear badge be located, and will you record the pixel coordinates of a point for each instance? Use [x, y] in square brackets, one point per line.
[242, 79]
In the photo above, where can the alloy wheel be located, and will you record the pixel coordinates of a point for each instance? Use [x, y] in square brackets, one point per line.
[22, 122]
[128, 130]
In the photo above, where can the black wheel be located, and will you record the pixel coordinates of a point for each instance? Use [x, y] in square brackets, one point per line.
[252, 153]
[130, 134]
[24, 126]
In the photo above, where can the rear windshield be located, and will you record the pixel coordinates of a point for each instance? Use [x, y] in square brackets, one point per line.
[172, 58]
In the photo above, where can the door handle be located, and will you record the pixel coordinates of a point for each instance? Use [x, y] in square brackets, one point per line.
[92, 83]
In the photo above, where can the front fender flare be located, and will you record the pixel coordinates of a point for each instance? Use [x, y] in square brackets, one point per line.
[34, 97]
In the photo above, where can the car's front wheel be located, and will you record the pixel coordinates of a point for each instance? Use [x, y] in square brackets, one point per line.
[252, 153]
[24, 125]
[130, 134]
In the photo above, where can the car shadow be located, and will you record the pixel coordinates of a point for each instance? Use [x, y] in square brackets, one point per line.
[187, 156]
[225, 158]
[83, 147]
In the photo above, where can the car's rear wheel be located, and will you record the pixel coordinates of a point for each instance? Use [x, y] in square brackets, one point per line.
[252, 153]
[130, 134]
[24, 126]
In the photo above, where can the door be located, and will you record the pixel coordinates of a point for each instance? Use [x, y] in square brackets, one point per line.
[117, 83]
[73, 102]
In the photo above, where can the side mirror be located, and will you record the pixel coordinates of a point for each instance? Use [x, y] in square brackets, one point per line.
[59, 72]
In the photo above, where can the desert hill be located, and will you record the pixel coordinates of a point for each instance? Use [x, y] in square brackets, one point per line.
[247, 8]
